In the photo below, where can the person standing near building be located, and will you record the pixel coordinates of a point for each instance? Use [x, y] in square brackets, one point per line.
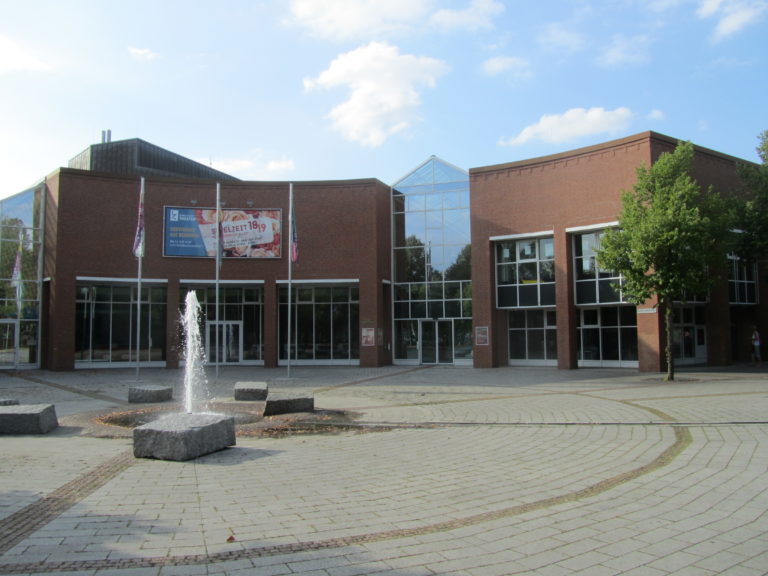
[757, 359]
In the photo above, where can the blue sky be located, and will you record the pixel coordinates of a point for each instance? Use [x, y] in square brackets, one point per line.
[336, 89]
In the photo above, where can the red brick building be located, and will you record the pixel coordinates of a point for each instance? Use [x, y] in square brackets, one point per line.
[489, 268]
[340, 280]
[539, 297]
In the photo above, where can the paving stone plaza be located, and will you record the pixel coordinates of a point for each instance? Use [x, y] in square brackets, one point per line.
[447, 470]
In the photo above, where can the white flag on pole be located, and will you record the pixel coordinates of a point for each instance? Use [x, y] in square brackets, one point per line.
[138, 241]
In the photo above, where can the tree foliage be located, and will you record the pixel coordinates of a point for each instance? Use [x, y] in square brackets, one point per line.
[752, 218]
[762, 149]
[670, 233]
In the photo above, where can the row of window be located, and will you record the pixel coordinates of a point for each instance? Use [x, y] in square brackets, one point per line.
[433, 300]
[606, 334]
[324, 322]
[525, 274]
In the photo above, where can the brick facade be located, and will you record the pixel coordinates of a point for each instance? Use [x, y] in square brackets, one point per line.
[576, 190]
[343, 230]
[345, 238]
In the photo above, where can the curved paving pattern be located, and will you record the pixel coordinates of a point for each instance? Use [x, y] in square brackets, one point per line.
[557, 476]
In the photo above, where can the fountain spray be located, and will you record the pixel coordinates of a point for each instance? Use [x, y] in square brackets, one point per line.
[195, 380]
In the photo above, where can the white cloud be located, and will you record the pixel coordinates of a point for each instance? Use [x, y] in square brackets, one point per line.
[142, 54]
[498, 65]
[625, 50]
[383, 90]
[655, 115]
[573, 124]
[558, 38]
[354, 19]
[282, 166]
[708, 8]
[255, 165]
[14, 58]
[341, 20]
[731, 15]
[478, 16]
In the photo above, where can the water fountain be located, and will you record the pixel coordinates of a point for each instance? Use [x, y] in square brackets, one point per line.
[188, 434]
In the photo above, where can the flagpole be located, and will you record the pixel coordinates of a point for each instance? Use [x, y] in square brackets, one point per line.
[218, 266]
[290, 271]
[138, 247]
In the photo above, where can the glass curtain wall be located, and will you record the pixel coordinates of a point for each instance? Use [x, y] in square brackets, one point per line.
[21, 236]
[432, 289]
[105, 325]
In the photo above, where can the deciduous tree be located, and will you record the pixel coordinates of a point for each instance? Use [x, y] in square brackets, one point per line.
[670, 232]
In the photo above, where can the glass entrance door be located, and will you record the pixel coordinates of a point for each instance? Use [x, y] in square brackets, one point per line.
[436, 342]
[8, 339]
[224, 342]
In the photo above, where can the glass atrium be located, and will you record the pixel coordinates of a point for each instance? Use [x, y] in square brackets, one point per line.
[21, 218]
[432, 266]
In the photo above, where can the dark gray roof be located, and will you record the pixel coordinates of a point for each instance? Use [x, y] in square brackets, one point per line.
[137, 157]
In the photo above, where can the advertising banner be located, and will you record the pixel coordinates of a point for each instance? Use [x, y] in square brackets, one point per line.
[191, 233]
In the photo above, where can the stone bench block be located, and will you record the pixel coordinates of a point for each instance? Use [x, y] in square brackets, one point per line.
[183, 436]
[149, 393]
[251, 391]
[287, 402]
[28, 419]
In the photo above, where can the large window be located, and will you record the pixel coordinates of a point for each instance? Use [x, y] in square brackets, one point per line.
[325, 324]
[532, 337]
[742, 281]
[106, 323]
[607, 336]
[525, 273]
[594, 285]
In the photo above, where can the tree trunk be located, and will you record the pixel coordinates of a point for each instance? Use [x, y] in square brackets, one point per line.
[668, 327]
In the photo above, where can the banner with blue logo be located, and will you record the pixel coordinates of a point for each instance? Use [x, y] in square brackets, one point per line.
[192, 233]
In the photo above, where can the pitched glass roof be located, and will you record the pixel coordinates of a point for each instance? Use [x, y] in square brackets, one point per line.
[430, 173]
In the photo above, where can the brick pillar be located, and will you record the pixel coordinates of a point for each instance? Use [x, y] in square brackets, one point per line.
[651, 338]
[567, 358]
